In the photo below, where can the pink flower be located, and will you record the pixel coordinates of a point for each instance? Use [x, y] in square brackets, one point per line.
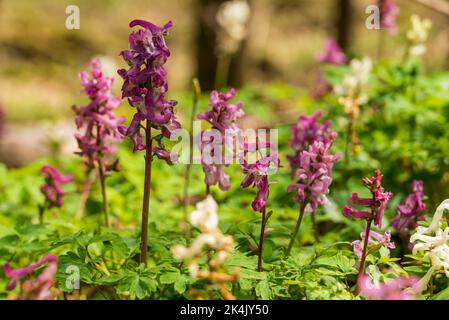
[222, 116]
[377, 203]
[145, 82]
[314, 175]
[332, 54]
[408, 212]
[306, 131]
[388, 12]
[52, 189]
[44, 280]
[257, 176]
[100, 135]
[374, 239]
[396, 289]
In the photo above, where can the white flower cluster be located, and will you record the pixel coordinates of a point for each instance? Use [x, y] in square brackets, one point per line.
[418, 35]
[433, 243]
[211, 238]
[232, 18]
[353, 86]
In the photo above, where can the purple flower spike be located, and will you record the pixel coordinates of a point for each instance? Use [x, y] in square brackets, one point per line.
[392, 290]
[145, 84]
[388, 12]
[332, 54]
[408, 212]
[98, 126]
[306, 131]
[314, 175]
[222, 117]
[257, 176]
[52, 189]
[377, 203]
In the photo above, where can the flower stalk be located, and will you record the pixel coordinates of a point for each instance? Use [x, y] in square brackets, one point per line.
[298, 225]
[146, 195]
[196, 97]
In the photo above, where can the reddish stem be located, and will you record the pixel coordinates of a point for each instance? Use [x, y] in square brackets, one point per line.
[146, 195]
[364, 252]
[261, 240]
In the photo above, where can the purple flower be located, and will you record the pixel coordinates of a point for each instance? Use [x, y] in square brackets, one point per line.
[375, 238]
[314, 175]
[97, 124]
[306, 131]
[388, 12]
[257, 176]
[145, 82]
[332, 54]
[396, 289]
[15, 275]
[222, 117]
[377, 203]
[408, 212]
[52, 189]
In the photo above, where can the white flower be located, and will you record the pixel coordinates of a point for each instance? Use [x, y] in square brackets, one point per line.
[354, 82]
[418, 35]
[205, 214]
[211, 238]
[433, 243]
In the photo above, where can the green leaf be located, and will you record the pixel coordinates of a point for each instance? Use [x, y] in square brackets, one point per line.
[263, 290]
[169, 277]
[442, 295]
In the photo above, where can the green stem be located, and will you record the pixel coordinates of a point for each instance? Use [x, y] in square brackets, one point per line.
[103, 193]
[295, 232]
[146, 195]
[196, 97]
[315, 227]
[84, 196]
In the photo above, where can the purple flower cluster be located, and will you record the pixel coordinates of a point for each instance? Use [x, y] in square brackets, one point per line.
[52, 189]
[100, 136]
[383, 240]
[392, 290]
[408, 212]
[40, 288]
[388, 12]
[145, 84]
[332, 54]
[377, 203]
[257, 176]
[222, 117]
[314, 175]
[306, 131]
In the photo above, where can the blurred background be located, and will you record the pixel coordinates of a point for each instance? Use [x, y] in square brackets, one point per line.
[40, 58]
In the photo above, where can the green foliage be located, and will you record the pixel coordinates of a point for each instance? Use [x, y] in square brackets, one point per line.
[402, 130]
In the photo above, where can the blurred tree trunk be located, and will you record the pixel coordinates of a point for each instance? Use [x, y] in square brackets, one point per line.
[343, 23]
[206, 59]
